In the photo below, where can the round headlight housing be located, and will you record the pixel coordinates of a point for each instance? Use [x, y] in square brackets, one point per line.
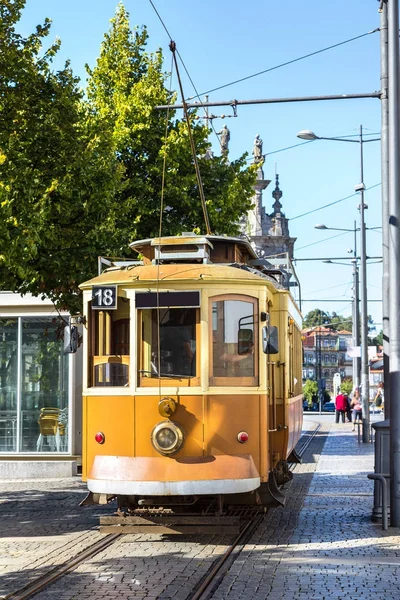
[167, 437]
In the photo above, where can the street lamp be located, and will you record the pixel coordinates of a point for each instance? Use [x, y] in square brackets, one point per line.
[356, 299]
[306, 134]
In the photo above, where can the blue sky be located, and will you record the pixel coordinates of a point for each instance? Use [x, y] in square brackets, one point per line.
[221, 42]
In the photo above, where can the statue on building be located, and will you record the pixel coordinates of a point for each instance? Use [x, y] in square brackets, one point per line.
[257, 149]
[225, 136]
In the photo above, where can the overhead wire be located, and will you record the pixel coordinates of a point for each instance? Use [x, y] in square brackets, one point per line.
[200, 101]
[332, 203]
[160, 232]
[289, 62]
[198, 95]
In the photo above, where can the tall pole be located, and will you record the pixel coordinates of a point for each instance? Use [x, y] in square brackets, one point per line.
[364, 307]
[356, 313]
[319, 365]
[394, 260]
[385, 199]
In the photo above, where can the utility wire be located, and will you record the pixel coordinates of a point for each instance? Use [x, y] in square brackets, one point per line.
[371, 187]
[186, 115]
[321, 241]
[289, 62]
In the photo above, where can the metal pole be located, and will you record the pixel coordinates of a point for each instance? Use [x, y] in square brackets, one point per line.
[319, 366]
[356, 313]
[394, 260]
[385, 200]
[364, 307]
[235, 103]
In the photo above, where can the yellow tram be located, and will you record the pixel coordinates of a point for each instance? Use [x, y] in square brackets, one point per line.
[192, 376]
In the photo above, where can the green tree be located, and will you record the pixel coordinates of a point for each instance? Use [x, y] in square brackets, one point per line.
[335, 322]
[347, 386]
[123, 89]
[310, 390]
[378, 340]
[82, 176]
[58, 173]
[315, 317]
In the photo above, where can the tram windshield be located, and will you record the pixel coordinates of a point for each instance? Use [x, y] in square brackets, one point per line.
[168, 345]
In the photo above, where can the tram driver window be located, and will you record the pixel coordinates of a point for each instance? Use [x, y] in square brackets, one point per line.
[168, 344]
[109, 346]
[234, 345]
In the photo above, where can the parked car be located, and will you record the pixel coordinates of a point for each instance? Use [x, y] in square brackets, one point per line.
[329, 407]
[306, 407]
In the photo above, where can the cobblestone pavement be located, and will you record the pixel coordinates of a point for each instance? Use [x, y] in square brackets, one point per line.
[42, 526]
[322, 544]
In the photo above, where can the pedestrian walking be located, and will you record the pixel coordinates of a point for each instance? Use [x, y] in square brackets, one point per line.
[348, 409]
[379, 396]
[341, 407]
[356, 407]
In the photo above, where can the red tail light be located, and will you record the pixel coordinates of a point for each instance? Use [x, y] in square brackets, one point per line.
[242, 437]
[100, 437]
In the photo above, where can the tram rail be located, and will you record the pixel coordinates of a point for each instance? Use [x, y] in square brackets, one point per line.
[56, 573]
[251, 519]
[304, 443]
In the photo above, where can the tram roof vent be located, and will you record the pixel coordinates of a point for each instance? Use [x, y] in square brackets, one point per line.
[186, 248]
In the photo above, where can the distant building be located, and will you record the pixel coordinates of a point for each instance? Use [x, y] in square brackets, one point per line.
[269, 233]
[325, 353]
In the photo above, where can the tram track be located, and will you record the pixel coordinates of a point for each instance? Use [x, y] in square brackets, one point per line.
[213, 578]
[202, 590]
[308, 438]
[59, 571]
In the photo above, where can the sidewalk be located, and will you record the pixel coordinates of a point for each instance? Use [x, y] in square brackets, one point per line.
[323, 544]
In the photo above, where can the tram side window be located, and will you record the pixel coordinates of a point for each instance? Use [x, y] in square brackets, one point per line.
[234, 348]
[109, 346]
[168, 342]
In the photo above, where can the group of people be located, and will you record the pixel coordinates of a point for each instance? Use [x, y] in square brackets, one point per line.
[351, 409]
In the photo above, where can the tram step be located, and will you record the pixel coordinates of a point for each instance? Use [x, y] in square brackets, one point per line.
[170, 524]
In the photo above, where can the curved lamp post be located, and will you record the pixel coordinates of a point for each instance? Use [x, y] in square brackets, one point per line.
[356, 297]
[306, 134]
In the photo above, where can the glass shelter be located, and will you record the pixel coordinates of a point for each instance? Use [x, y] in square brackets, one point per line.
[35, 385]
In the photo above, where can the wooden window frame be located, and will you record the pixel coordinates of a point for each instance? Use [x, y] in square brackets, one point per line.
[232, 381]
[149, 381]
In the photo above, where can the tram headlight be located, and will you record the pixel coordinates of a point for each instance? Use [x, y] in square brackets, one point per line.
[167, 437]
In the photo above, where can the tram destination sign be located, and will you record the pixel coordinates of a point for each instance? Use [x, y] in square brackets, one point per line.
[104, 297]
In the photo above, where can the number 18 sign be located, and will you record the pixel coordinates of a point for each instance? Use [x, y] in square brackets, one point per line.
[104, 297]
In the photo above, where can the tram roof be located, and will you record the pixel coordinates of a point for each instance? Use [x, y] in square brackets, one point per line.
[194, 252]
[138, 272]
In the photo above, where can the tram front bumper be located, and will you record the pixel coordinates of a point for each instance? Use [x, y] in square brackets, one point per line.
[161, 476]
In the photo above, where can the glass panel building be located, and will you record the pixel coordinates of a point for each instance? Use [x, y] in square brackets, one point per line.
[39, 403]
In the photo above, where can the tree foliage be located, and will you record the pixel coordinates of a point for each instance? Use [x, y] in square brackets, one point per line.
[83, 175]
[153, 146]
[57, 174]
[335, 322]
[310, 390]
